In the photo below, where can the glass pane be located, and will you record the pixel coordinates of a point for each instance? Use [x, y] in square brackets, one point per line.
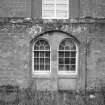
[36, 54]
[47, 67]
[67, 67]
[37, 43]
[62, 7]
[41, 67]
[36, 48]
[67, 43]
[48, 1]
[36, 60]
[61, 14]
[48, 7]
[73, 54]
[61, 54]
[67, 48]
[61, 61]
[47, 47]
[72, 67]
[48, 14]
[42, 54]
[61, 47]
[72, 60]
[47, 54]
[61, 67]
[47, 60]
[36, 67]
[62, 43]
[67, 54]
[62, 1]
[67, 61]
[73, 47]
[42, 60]
[41, 47]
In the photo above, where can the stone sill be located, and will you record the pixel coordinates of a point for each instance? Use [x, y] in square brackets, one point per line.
[58, 76]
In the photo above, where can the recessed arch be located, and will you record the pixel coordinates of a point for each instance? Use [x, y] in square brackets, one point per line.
[53, 31]
[58, 37]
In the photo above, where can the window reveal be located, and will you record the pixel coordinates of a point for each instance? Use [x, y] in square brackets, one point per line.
[41, 56]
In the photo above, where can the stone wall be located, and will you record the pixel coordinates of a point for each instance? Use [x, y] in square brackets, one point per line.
[15, 8]
[92, 8]
[15, 67]
[14, 57]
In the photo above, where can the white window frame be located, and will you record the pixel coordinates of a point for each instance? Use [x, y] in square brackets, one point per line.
[55, 14]
[48, 72]
[76, 64]
[40, 72]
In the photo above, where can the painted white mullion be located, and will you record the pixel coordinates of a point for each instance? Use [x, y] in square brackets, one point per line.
[44, 60]
[77, 59]
[39, 61]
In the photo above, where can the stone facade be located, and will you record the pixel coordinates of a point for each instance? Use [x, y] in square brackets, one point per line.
[15, 38]
[17, 33]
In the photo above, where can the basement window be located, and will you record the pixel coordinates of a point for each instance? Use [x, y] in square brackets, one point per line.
[41, 57]
[55, 9]
[67, 56]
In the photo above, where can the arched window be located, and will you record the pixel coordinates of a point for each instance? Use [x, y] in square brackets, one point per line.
[68, 56]
[41, 56]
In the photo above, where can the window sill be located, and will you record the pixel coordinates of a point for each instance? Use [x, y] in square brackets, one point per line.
[68, 75]
[41, 74]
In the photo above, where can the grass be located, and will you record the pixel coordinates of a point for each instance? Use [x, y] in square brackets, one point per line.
[15, 96]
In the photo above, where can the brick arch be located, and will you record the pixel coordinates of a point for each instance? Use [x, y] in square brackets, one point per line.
[53, 31]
